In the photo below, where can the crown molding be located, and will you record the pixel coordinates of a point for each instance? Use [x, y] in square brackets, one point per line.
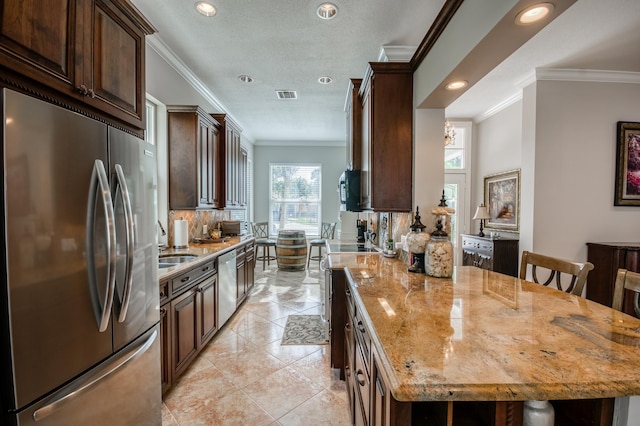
[301, 144]
[396, 53]
[165, 52]
[592, 76]
[562, 74]
[499, 107]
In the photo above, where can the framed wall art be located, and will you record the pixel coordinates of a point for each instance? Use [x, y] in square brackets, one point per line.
[627, 191]
[502, 198]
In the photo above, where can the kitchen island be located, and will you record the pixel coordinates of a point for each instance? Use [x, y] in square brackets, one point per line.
[469, 350]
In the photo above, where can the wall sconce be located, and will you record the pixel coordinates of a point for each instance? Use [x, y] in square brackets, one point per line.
[449, 133]
[481, 214]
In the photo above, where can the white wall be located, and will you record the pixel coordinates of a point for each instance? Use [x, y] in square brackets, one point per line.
[497, 148]
[331, 158]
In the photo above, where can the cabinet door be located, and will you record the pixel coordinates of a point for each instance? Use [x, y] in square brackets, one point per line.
[241, 283]
[184, 320]
[207, 309]
[242, 177]
[38, 42]
[231, 167]
[110, 65]
[250, 268]
[204, 171]
[165, 346]
[212, 148]
[379, 399]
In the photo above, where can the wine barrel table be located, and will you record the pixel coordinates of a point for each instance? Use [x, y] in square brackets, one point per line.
[291, 250]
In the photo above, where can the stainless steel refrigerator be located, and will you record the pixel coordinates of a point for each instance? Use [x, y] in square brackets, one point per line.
[79, 301]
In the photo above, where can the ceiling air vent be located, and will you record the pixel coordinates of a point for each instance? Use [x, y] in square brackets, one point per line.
[286, 94]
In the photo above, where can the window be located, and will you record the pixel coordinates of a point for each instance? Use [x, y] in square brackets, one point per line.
[295, 198]
[456, 174]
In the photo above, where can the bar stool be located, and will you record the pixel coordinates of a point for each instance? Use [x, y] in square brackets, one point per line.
[261, 232]
[576, 272]
[326, 233]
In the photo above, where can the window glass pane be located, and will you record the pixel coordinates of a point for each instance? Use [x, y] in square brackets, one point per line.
[454, 152]
[451, 194]
[295, 198]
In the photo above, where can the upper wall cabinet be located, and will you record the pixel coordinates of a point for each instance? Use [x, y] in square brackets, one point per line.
[353, 110]
[91, 50]
[386, 97]
[233, 163]
[194, 146]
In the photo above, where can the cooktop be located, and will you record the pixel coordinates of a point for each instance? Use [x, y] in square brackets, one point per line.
[351, 248]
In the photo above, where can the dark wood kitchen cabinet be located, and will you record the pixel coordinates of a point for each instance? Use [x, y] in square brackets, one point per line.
[233, 163]
[193, 159]
[386, 98]
[607, 258]
[241, 276]
[353, 109]
[90, 50]
[188, 318]
[499, 255]
[165, 336]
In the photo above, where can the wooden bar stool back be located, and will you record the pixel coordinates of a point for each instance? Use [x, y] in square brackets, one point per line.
[261, 233]
[626, 280]
[555, 268]
[327, 232]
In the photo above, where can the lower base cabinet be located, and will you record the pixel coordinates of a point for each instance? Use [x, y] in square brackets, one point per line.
[188, 312]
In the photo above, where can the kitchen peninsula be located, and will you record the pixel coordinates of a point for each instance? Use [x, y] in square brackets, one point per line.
[469, 350]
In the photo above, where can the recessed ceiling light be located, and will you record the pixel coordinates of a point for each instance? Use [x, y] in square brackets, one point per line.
[327, 10]
[455, 85]
[534, 13]
[325, 80]
[245, 78]
[205, 8]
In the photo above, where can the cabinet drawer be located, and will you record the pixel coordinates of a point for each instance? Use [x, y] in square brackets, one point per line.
[362, 383]
[477, 245]
[362, 337]
[164, 292]
[192, 276]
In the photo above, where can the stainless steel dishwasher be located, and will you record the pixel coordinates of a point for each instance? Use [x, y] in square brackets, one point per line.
[227, 286]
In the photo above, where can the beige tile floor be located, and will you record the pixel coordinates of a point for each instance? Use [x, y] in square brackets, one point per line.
[246, 377]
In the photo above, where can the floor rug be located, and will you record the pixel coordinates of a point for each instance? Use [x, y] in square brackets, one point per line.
[304, 330]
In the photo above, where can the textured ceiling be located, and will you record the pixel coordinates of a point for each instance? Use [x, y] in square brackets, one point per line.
[283, 45]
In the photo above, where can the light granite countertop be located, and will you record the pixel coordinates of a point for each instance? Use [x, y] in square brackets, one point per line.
[204, 253]
[488, 336]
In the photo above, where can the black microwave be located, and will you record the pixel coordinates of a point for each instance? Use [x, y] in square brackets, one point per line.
[349, 190]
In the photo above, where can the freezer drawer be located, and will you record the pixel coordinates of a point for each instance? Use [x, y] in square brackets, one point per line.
[123, 390]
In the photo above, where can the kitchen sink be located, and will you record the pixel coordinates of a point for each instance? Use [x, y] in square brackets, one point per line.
[169, 260]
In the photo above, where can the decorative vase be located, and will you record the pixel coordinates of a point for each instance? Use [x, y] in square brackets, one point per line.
[417, 242]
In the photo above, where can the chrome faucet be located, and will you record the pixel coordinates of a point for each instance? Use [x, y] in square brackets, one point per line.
[164, 233]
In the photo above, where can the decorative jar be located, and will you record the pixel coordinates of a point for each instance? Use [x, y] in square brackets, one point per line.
[416, 243]
[439, 254]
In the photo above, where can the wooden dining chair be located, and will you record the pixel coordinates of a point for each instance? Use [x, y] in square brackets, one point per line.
[626, 280]
[327, 232]
[555, 268]
[261, 233]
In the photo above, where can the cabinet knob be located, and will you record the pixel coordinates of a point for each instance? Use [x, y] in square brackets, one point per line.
[361, 327]
[92, 94]
[360, 381]
[83, 89]
[347, 327]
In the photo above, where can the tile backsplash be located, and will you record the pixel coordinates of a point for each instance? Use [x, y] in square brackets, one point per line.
[196, 219]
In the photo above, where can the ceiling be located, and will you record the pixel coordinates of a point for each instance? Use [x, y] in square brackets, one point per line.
[283, 45]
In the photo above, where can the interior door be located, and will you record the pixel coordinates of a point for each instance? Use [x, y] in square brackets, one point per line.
[455, 189]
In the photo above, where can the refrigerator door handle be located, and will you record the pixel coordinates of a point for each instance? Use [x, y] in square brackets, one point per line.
[67, 395]
[102, 308]
[128, 219]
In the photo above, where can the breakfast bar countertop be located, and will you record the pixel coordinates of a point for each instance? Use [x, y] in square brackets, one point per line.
[484, 336]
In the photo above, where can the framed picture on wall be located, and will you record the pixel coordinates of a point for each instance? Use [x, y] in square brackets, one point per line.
[628, 164]
[502, 198]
